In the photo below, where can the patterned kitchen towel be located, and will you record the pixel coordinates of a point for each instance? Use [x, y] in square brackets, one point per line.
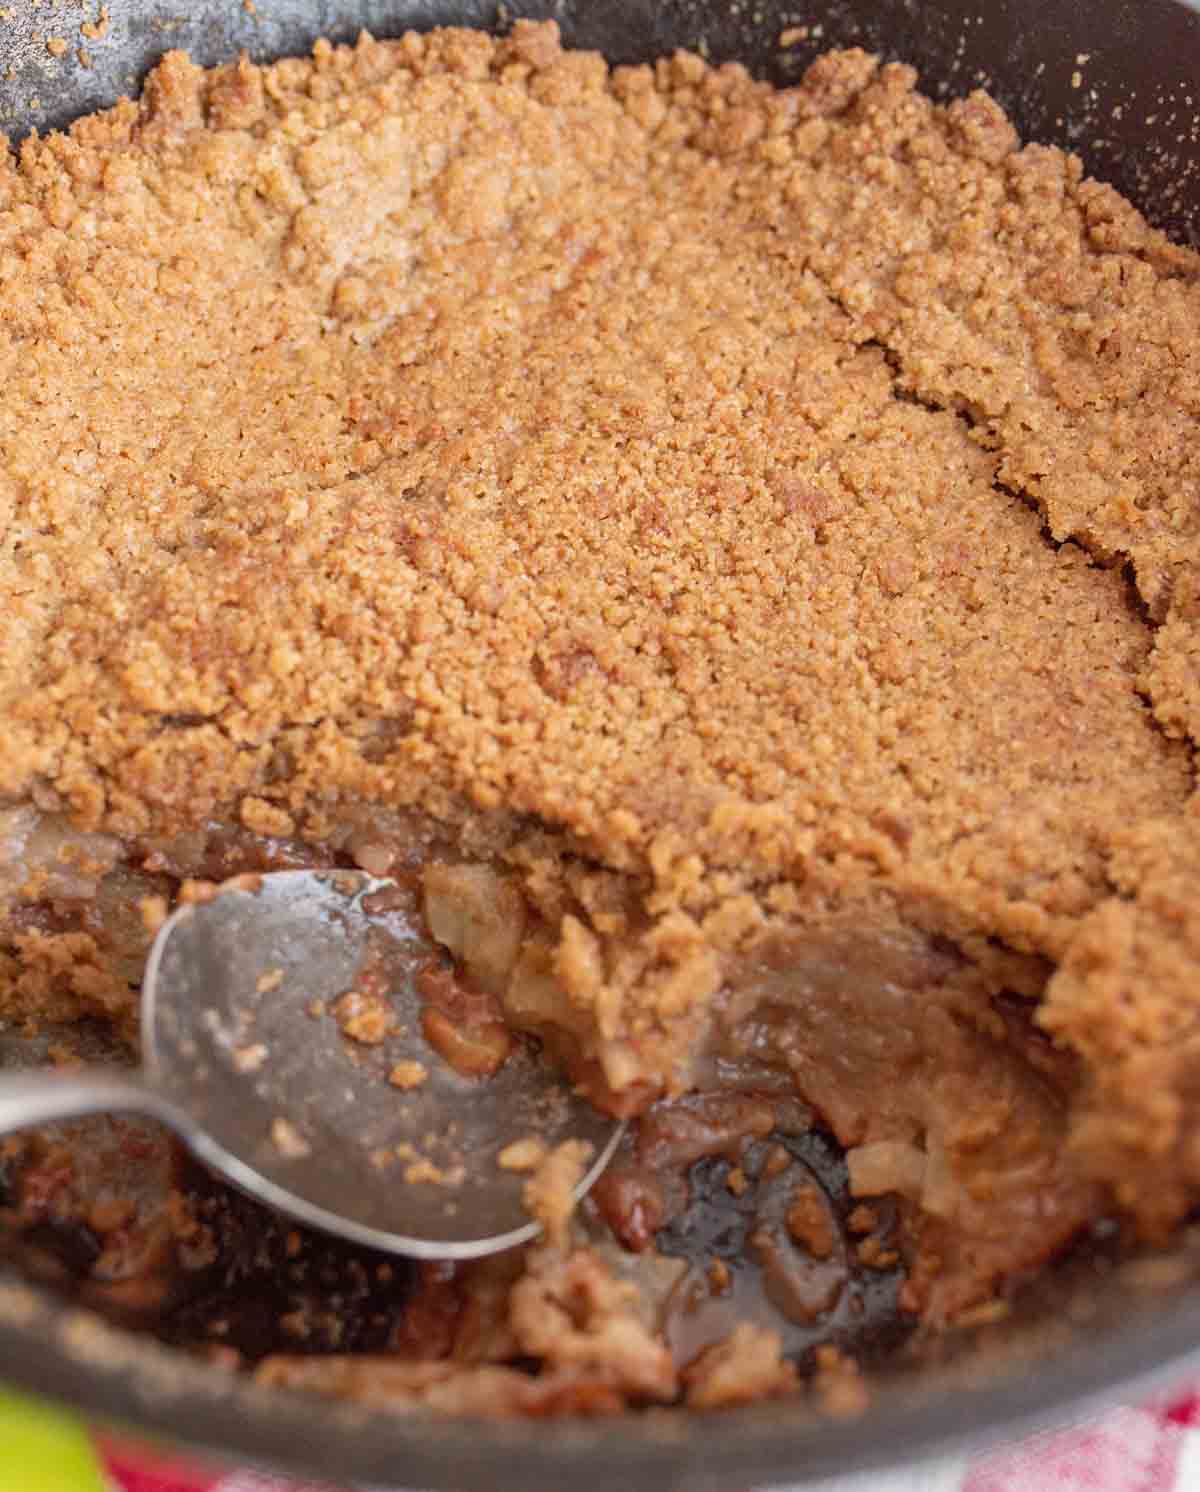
[1123, 1450]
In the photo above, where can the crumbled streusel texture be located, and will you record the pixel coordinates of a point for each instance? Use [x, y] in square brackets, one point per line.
[708, 499]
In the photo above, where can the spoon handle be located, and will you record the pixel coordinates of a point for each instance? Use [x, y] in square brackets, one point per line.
[30, 1098]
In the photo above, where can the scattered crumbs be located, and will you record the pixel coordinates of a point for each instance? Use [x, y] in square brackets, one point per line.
[719, 1277]
[249, 1058]
[272, 979]
[874, 1255]
[793, 36]
[381, 1159]
[96, 30]
[288, 1140]
[315, 1008]
[1082, 59]
[424, 1170]
[987, 1313]
[152, 909]
[522, 1155]
[408, 1074]
[404, 1151]
[1076, 79]
[746, 1365]
[838, 1382]
[778, 1160]
[363, 1018]
[809, 1223]
[57, 46]
[549, 1194]
[196, 893]
[736, 1181]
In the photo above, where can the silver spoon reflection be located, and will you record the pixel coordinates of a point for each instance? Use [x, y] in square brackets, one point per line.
[241, 1060]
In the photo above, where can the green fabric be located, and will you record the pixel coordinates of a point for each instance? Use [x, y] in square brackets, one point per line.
[43, 1449]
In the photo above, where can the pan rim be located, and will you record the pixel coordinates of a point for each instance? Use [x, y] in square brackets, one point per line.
[66, 1353]
[146, 1389]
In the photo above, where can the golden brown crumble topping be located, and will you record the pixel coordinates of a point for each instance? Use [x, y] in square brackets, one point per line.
[745, 539]
[1121, 999]
[745, 1367]
[550, 1192]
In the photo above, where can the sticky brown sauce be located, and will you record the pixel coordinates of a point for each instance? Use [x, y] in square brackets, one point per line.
[744, 1264]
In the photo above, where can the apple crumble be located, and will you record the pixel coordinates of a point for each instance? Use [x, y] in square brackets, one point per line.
[732, 552]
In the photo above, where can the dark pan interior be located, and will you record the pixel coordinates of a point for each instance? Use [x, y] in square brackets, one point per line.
[1116, 80]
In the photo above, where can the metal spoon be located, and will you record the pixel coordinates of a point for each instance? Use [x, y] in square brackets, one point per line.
[242, 1060]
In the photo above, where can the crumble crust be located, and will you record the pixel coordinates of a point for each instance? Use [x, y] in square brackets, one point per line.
[709, 501]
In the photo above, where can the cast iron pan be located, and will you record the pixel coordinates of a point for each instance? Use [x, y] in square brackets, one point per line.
[1119, 82]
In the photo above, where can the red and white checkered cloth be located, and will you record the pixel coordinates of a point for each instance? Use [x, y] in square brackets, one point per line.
[1123, 1450]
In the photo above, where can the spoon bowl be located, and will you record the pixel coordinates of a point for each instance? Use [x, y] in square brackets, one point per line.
[244, 1058]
